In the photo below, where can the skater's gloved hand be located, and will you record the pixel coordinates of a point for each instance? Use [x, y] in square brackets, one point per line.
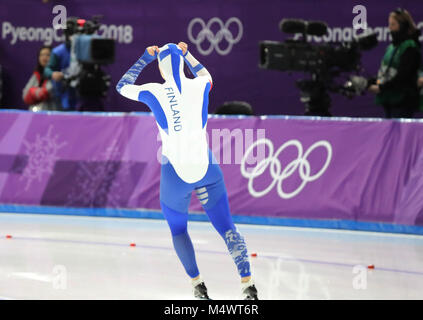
[153, 50]
[150, 54]
[183, 46]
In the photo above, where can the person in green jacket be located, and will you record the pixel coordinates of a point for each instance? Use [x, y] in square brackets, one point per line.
[396, 86]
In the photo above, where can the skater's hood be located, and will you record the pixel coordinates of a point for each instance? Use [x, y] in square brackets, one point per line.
[171, 63]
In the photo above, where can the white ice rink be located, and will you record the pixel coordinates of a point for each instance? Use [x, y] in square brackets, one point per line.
[70, 257]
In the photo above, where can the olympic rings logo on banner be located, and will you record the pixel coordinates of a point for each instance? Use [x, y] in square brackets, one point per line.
[301, 163]
[215, 39]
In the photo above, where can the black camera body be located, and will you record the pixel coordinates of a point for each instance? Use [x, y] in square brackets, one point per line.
[323, 61]
[297, 55]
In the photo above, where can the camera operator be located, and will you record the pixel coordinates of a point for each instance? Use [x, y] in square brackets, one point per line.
[396, 86]
[66, 96]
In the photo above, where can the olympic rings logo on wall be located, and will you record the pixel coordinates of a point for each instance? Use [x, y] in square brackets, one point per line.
[301, 163]
[214, 39]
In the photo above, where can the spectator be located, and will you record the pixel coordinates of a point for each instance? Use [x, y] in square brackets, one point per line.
[38, 92]
[396, 87]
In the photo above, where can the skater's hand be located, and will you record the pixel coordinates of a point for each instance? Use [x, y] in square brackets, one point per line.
[183, 46]
[153, 49]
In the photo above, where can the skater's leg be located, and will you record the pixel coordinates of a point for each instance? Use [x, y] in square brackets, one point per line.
[221, 219]
[219, 214]
[174, 200]
[214, 200]
[181, 240]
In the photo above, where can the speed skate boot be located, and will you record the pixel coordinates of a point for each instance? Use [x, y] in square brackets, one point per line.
[249, 291]
[199, 289]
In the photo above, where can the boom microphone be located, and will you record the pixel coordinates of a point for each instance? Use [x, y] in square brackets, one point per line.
[292, 26]
[314, 28]
[317, 28]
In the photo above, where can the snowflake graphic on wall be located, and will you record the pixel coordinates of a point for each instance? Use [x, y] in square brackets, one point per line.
[99, 176]
[42, 155]
[92, 184]
[119, 176]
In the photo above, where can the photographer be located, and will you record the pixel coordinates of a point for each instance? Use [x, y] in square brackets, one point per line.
[38, 92]
[396, 87]
[59, 62]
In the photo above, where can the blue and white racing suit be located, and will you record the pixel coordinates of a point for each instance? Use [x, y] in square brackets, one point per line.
[180, 107]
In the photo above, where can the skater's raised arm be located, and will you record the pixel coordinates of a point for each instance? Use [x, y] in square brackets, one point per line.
[126, 86]
[197, 69]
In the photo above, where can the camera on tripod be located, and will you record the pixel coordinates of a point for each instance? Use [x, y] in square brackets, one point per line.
[88, 53]
[324, 62]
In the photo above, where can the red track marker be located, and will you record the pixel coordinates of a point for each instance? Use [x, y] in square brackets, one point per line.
[8, 236]
[254, 255]
[132, 244]
[371, 266]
